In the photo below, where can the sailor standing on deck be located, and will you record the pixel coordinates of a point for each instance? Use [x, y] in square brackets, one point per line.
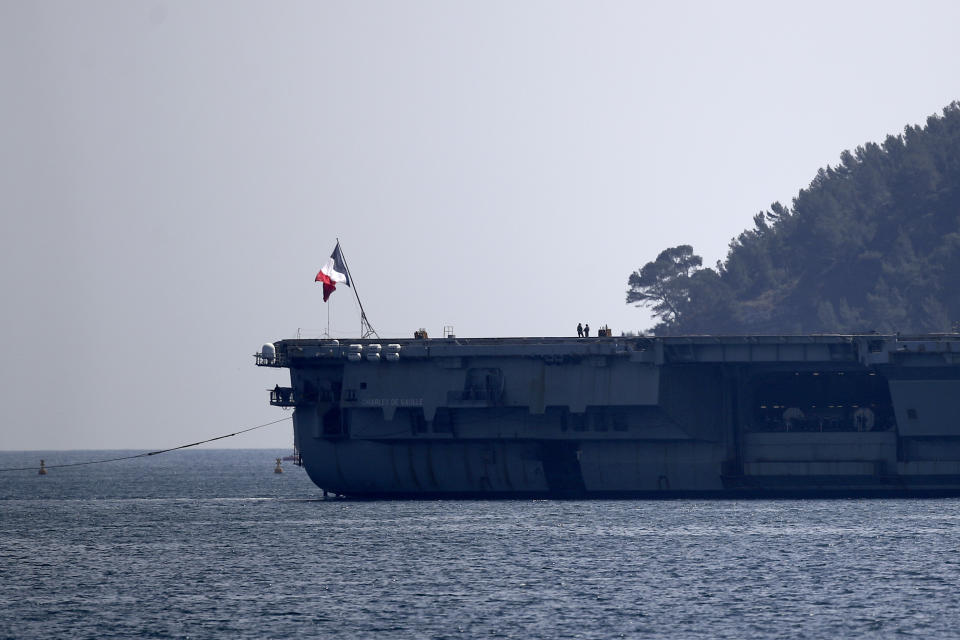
[579, 330]
[586, 331]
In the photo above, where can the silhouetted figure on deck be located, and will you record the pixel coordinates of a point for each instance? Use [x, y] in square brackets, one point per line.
[579, 330]
[586, 331]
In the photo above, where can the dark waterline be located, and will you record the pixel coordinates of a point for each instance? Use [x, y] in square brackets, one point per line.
[214, 544]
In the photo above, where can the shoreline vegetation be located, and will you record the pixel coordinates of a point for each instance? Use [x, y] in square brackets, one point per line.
[872, 244]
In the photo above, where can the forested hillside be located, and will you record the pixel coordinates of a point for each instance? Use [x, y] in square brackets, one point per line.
[871, 244]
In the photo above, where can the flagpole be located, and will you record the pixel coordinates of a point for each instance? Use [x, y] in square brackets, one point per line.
[366, 329]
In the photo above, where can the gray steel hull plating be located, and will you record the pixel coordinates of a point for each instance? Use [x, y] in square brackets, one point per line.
[628, 417]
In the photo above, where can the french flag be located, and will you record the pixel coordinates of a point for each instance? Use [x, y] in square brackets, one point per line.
[334, 271]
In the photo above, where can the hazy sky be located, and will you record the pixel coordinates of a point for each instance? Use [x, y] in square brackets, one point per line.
[173, 174]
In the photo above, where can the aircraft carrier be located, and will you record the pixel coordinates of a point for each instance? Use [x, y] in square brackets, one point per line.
[611, 417]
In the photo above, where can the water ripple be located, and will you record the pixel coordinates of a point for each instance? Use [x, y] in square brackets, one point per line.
[215, 545]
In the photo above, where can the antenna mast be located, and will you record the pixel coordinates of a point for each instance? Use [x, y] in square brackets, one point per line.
[366, 329]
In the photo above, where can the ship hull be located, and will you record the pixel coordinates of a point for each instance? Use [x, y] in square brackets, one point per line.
[800, 416]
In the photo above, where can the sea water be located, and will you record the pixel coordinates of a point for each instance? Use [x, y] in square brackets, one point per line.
[213, 544]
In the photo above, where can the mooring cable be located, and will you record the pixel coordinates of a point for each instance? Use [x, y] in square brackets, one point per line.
[148, 453]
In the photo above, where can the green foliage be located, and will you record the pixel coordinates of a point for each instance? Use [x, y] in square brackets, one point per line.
[664, 284]
[872, 243]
